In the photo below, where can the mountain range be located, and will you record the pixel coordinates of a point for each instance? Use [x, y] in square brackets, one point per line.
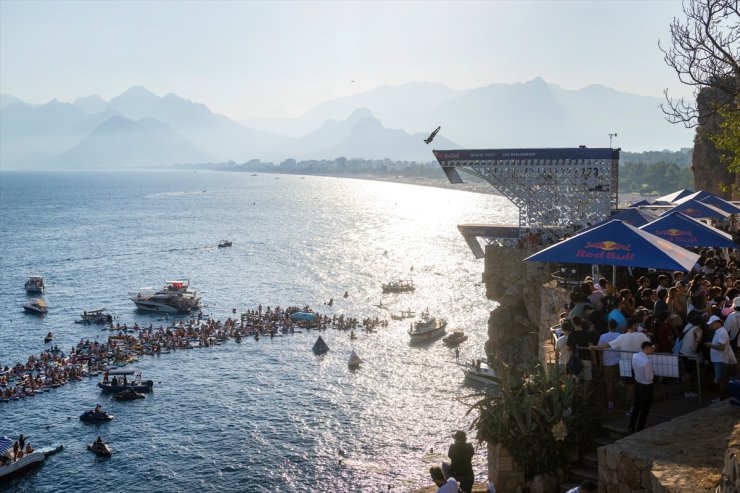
[141, 129]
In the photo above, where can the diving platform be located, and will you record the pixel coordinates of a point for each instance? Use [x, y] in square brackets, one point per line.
[557, 190]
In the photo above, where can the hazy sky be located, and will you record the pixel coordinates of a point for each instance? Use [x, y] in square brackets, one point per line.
[247, 59]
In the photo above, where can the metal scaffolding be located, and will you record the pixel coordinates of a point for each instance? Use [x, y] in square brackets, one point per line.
[557, 191]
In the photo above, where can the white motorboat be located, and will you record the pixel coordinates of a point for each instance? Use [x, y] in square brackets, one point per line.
[399, 286]
[224, 243]
[37, 307]
[427, 327]
[35, 284]
[25, 463]
[354, 360]
[174, 297]
[479, 371]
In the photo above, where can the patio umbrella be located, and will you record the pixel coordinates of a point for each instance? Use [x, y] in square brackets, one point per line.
[673, 197]
[682, 230]
[698, 210]
[713, 200]
[633, 217]
[618, 244]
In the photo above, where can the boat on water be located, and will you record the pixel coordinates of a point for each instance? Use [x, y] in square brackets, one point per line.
[35, 284]
[399, 286]
[37, 307]
[128, 395]
[99, 447]
[479, 371]
[97, 316]
[26, 463]
[455, 339]
[49, 337]
[224, 243]
[403, 314]
[95, 416]
[427, 327]
[354, 360]
[120, 382]
[174, 297]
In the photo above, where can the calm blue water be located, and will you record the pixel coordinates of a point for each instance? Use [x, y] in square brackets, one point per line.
[263, 415]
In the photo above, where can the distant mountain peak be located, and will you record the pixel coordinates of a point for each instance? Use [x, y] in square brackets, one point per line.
[360, 113]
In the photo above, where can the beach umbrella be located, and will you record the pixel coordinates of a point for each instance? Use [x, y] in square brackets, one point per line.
[633, 217]
[684, 231]
[673, 197]
[698, 210]
[618, 244]
[713, 200]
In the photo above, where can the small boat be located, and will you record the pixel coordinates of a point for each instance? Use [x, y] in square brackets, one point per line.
[427, 327]
[100, 448]
[128, 395]
[399, 286]
[37, 307]
[35, 284]
[49, 337]
[174, 297]
[403, 314]
[119, 382]
[480, 371]
[455, 339]
[93, 416]
[224, 243]
[320, 347]
[97, 316]
[354, 360]
[25, 463]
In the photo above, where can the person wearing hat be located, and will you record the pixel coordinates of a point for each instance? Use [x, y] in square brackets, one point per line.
[719, 354]
[460, 466]
[643, 370]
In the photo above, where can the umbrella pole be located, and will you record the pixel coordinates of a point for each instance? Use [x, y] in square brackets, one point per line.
[614, 276]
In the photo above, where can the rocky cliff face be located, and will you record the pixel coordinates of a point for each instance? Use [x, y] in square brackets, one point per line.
[709, 173]
[514, 327]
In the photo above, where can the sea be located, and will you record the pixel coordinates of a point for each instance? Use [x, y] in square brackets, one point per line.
[260, 416]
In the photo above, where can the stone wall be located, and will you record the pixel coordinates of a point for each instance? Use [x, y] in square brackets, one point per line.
[730, 482]
[685, 454]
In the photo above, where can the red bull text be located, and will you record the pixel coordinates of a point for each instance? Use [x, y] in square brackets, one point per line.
[610, 250]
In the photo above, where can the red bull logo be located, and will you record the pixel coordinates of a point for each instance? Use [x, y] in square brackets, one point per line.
[609, 251]
[691, 212]
[678, 235]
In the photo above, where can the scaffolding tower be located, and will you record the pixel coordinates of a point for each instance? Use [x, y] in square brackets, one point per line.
[557, 191]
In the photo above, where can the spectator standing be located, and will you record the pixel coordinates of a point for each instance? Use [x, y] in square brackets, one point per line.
[643, 370]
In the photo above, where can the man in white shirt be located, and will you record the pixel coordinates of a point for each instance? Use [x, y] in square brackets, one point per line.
[719, 354]
[643, 369]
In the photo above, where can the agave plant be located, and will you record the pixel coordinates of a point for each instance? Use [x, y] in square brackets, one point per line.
[537, 415]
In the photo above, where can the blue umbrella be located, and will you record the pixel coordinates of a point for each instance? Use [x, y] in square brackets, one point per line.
[713, 200]
[682, 230]
[638, 204]
[698, 210]
[618, 244]
[633, 217]
[673, 197]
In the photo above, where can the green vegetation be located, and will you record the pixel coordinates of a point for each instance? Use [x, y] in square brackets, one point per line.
[541, 418]
[655, 172]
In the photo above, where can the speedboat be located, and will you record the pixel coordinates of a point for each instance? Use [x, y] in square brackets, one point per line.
[35, 284]
[92, 416]
[174, 297]
[100, 448]
[427, 327]
[455, 339]
[399, 286]
[224, 243]
[96, 316]
[119, 382]
[37, 307]
[49, 337]
[128, 395]
[25, 463]
[480, 371]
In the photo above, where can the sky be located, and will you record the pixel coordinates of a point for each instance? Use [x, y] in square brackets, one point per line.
[248, 59]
